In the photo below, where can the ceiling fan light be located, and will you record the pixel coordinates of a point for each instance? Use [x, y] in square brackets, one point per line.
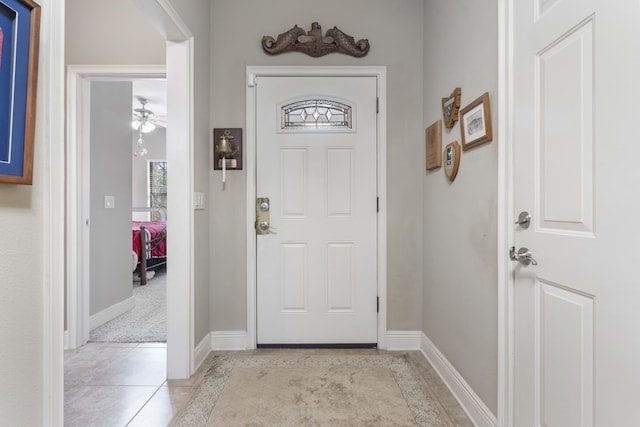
[147, 127]
[143, 118]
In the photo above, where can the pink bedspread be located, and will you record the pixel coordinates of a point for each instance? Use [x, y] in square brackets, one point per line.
[155, 228]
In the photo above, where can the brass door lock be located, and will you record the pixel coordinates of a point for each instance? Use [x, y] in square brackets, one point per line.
[262, 215]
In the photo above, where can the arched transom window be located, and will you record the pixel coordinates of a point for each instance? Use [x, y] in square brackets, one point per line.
[317, 113]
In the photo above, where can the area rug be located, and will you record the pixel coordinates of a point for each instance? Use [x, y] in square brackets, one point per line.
[312, 389]
[146, 322]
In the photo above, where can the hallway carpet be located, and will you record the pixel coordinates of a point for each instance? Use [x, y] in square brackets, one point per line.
[309, 388]
[146, 322]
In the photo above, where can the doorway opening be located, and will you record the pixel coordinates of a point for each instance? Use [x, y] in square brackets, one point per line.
[86, 213]
[179, 359]
[124, 262]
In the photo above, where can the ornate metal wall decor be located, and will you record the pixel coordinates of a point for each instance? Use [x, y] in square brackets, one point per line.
[313, 43]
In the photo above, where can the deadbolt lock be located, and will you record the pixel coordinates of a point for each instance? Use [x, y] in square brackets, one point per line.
[262, 215]
[524, 220]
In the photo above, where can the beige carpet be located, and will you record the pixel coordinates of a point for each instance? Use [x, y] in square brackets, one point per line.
[146, 322]
[309, 388]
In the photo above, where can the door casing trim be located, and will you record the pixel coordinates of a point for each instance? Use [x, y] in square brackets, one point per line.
[506, 216]
[180, 355]
[380, 73]
[79, 79]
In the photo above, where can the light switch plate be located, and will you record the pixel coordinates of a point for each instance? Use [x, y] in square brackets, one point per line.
[109, 202]
[198, 198]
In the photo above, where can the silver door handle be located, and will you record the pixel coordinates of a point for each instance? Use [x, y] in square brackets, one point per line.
[523, 256]
[265, 226]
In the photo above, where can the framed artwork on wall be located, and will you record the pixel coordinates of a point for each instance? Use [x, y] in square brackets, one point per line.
[451, 160]
[19, 36]
[475, 122]
[450, 107]
[433, 145]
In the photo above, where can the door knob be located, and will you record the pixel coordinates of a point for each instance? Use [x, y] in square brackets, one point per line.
[262, 215]
[523, 256]
[266, 228]
[524, 219]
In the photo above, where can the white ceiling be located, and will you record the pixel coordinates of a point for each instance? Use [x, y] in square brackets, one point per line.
[155, 92]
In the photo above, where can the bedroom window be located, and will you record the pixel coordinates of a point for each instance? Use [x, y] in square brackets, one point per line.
[157, 187]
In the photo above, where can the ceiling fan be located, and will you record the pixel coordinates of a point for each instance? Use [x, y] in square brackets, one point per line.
[144, 120]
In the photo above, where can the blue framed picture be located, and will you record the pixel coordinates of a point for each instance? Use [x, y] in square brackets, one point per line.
[19, 36]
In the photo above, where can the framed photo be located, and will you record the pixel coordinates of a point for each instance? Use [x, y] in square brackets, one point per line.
[19, 37]
[451, 160]
[475, 123]
[450, 107]
[433, 143]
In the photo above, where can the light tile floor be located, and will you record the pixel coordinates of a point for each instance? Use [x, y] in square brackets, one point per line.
[114, 384]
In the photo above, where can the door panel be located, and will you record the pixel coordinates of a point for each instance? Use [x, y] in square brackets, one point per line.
[575, 154]
[340, 267]
[317, 269]
[340, 182]
[565, 349]
[294, 182]
[564, 124]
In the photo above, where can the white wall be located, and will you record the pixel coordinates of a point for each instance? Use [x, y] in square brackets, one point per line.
[110, 175]
[394, 30]
[460, 231]
[21, 293]
[110, 32]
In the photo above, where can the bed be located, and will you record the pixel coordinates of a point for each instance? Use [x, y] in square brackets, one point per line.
[149, 243]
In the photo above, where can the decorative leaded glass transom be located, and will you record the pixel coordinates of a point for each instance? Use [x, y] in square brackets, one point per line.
[316, 114]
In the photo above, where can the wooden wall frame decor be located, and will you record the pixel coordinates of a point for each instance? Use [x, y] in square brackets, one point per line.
[433, 145]
[450, 108]
[475, 122]
[19, 49]
[233, 160]
[451, 156]
[314, 44]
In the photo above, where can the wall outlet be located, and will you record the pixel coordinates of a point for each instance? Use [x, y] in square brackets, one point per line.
[109, 202]
[198, 199]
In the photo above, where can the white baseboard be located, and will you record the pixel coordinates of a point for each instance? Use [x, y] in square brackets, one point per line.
[66, 340]
[202, 351]
[475, 408]
[110, 313]
[403, 340]
[228, 340]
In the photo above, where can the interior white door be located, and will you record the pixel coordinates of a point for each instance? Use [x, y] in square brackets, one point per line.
[316, 162]
[577, 347]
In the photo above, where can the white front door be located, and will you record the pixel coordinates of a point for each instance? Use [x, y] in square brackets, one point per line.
[316, 162]
[576, 152]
